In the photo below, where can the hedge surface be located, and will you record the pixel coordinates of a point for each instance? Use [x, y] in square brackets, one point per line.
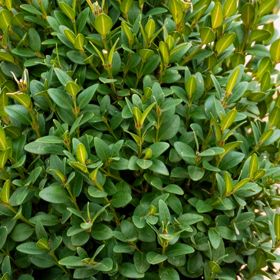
[139, 139]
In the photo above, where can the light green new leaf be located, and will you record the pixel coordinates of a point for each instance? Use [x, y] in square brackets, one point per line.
[217, 15]
[103, 24]
[224, 42]
[275, 51]
[5, 19]
[229, 8]
[233, 79]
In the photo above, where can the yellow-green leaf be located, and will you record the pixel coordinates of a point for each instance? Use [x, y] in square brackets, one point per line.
[79, 42]
[3, 142]
[3, 158]
[103, 24]
[266, 81]
[191, 86]
[5, 19]
[81, 153]
[277, 226]
[228, 119]
[241, 184]
[5, 192]
[72, 88]
[275, 51]
[112, 51]
[9, 4]
[229, 8]
[265, 136]
[22, 98]
[253, 166]
[224, 42]
[150, 29]
[176, 10]
[125, 6]
[228, 183]
[146, 113]
[266, 7]
[207, 35]
[163, 48]
[264, 65]
[233, 79]
[67, 10]
[70, 36]
[5, 56]
[128, 33]
[217, 15]
[274, 117]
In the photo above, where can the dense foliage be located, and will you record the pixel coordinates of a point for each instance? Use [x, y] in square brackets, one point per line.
[139, 139]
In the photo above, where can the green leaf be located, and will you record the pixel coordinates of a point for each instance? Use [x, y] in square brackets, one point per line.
[34, 40]
[62, 76]
[30, 248]
[168, 273]
[248, 14]
[55, 193]
[275, 51]
[158, 148]
[224, 42]
[164, 214]
[18, 114]
[103, 24]
[42, 148]
[158, 167]
[21, 232]
[212, 152]
[101, 232]
[102, 149]
[121, 199]
[129, 271]
[188, 219]
[105, 265]
[259, 35]
[217, 15]
[86, 96]
[144, 163]
[72, 261]
[185, 152]
[140, 262]
[195, 172]
[172, 188]
[19, 195]
[3, 236]
[214, 237]
[155, 258]
[179, 249]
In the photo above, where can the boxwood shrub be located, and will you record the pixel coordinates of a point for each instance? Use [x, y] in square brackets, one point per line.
[139, 139]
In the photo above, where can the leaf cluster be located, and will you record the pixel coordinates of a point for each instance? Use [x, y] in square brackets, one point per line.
[139, 139]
